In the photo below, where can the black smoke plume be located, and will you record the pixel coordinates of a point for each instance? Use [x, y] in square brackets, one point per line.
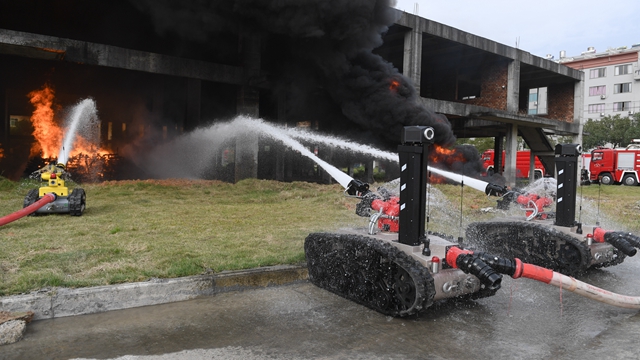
[319, 44]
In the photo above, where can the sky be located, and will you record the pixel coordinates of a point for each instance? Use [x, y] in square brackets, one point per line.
[539, 27]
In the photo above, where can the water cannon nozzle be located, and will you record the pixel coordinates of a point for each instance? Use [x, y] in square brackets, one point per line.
[495, 189]
[357, 188]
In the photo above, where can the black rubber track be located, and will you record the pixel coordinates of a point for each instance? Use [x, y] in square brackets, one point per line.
[77, 202]
[32, 196]
[535, 244]
[370, 272]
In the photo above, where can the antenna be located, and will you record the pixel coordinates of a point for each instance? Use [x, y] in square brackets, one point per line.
[416, 8]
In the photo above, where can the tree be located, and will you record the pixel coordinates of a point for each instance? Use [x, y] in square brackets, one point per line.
[615, 130]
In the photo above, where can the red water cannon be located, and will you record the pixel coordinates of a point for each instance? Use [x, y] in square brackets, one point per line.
[534, 205]
[623, 241]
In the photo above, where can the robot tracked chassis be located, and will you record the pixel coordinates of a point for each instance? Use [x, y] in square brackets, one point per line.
[400, 271]
[53, 181]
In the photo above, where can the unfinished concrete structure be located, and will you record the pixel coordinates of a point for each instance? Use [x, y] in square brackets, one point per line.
[148, 82]
[487, 89]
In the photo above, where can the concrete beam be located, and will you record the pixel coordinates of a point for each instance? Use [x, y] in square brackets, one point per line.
[450, 33]
[485, 113]
[49, 47]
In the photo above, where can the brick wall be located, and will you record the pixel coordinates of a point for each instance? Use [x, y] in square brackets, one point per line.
[492, 95]
[560, 102]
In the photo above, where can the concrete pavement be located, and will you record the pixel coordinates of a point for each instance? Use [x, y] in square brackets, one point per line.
[61, 302]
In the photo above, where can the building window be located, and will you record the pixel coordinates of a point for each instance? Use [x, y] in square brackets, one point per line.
[596, 108]
[622, 88]
[622, 106]
[597, 90]
[622, 69]
[597, 73]
[538, 101]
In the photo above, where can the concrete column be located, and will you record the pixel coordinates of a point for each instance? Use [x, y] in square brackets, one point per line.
[578, 107]
[532, 166]
[497, 154]
[194, 101]
[282, 119]
[246, 165]
[511, 152]
[513, 86]
[368, 171]
[157, 104]
[4, 112]
[412, 63]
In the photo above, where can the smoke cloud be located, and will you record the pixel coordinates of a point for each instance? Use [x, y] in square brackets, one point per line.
[327, 44]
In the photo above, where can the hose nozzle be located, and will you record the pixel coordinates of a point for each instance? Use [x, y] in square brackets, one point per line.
[357, 188]
[495, 190]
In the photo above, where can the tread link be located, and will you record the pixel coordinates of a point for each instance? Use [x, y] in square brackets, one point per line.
[32, 196]
[534, 244]
[77, 202]
[370, 272]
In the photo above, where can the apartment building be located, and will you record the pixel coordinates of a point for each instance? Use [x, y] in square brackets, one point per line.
[611, 81]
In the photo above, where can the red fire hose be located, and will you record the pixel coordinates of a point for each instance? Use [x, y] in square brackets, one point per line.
[47, 198]
[516, 268]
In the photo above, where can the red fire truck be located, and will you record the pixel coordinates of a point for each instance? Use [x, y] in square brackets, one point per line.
[522, 164]
[620, 165]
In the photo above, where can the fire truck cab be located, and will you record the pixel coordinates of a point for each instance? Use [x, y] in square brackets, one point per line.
[620, 165]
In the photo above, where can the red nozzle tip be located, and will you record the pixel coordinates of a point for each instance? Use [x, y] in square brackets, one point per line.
[435, 259]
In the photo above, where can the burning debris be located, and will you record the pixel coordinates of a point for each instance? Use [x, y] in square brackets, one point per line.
[75, 145]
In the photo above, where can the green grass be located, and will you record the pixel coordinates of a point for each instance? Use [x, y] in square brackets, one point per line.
[136, 230]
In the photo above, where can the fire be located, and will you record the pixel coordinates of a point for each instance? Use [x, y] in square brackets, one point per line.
[394, 85]
[444, 158]
[49, 136]
[442, 155]
[86, 160]
[47, 133]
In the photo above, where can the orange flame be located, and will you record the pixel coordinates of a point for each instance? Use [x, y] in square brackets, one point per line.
[47, 133]
[446, 157]
[49, 136]
[394, 85]
[442, 155]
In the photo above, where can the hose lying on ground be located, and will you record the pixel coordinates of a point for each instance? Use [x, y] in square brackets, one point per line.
[47, 198]
[516, 269]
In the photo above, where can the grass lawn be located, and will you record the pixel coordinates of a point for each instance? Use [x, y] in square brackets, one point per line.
[136, 230]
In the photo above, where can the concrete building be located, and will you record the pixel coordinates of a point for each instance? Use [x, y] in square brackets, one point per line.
[611, 84]
[150, 80]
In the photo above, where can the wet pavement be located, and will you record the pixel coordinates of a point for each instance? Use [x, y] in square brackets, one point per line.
[525, 320]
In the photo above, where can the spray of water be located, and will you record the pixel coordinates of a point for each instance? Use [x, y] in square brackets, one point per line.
[281, 135]
[81, 120]
[193, 154]
[340, 143]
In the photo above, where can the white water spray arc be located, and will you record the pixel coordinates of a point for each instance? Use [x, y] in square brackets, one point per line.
[82, 116]
[281, 135]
